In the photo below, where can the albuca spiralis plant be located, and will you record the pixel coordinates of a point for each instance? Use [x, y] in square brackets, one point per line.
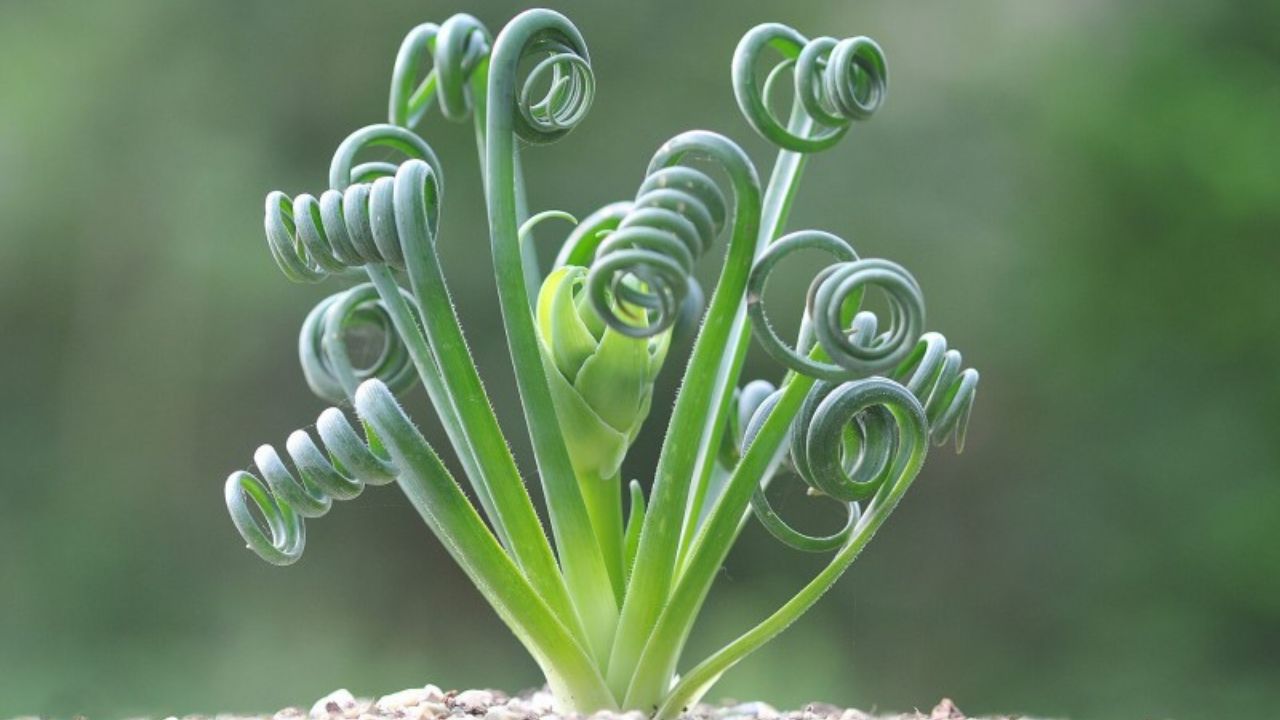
[605, 603]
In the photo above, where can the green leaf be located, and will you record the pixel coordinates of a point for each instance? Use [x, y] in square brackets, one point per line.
[596, 449]
[560, 324]
[615, 381]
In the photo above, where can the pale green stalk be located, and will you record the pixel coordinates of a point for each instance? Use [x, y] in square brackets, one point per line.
[706, 381]
[653, 671]
[566, 664]
[913, 444]
[514, 509]
[580, 557]
[784, 182]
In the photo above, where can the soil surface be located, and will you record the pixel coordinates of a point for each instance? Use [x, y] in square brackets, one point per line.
[432, 703]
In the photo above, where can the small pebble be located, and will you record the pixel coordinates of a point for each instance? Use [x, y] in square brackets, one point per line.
[542, 702]
[822, 710]
[521, 706]
[759, 710]
[946, 710]
[403, 699]
[504, 712]
[426, 711]
[436, 708]
[473, 702]
[432, 693]
[336, 704]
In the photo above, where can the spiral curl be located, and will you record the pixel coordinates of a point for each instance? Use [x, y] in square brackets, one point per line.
[843, 457]
[899, 423]
[322, 344]
[642, 274]
[836, 82]
[354, 224]
[287, 497]
[839, 447]
[832, 321]
[454, 51]
[846, 458]
[580, 248]
[933, 374]
[558, 85]
[744, 404]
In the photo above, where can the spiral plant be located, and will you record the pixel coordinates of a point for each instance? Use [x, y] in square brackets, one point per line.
[606, 601]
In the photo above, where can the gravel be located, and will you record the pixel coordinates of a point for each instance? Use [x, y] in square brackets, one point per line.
[432, 703]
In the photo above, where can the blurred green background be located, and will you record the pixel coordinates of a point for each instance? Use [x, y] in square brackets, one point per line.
[1088, 192]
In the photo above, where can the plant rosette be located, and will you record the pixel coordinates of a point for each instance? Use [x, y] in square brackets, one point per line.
[604, 590]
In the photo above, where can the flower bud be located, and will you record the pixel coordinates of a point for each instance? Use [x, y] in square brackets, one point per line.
[601, 380]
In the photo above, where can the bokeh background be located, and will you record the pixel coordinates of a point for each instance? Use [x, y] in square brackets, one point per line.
[1089, 193]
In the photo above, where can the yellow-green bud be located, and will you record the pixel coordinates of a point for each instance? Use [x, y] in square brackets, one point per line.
[601, 380]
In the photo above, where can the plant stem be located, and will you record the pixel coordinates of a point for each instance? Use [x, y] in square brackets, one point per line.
[603, 497]
[912, 446]
[529, 546]
[528, 248]
[580, 557]
[635, 518]
[464, 390]
[776, 207]
[425, 362]
[465, 397]
[784, 182]
[705, 380]
[446, 510]
[711, 546]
